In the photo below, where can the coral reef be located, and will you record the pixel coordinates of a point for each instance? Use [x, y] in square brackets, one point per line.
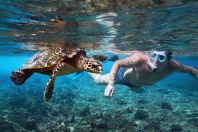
[176, 128]
[166, 105]
[78, 107]
[141, 115]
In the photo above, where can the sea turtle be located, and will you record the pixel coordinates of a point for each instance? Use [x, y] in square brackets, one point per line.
[55, 62]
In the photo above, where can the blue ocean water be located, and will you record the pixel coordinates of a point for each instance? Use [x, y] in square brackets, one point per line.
[78, 104]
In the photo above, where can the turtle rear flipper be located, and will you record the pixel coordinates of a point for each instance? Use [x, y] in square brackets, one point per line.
[50, 84]
[20, 76]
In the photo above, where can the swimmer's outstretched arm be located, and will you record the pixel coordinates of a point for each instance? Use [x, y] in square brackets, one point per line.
[127, 62]
[176, 66]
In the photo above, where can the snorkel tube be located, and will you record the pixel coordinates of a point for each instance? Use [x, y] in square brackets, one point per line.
[151, 65]
[156, 57]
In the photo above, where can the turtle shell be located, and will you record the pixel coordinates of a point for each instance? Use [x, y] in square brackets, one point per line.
[50, 57]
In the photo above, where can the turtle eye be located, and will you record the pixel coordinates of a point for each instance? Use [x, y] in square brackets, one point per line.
[162, 58]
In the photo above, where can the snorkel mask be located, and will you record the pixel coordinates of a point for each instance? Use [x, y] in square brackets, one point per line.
[158, 59]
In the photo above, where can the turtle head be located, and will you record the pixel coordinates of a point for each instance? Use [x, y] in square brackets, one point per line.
[157, 60]
[92, 65]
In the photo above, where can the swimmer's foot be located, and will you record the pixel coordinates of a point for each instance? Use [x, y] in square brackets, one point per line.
[109, 90]
[112, 58]
[195, 74]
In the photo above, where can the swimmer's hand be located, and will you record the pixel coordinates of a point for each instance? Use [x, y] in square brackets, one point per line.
[195, 74]
[109, 90]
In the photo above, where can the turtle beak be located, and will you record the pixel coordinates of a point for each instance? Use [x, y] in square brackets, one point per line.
[97, 67]
[153, 66]
[100, 69]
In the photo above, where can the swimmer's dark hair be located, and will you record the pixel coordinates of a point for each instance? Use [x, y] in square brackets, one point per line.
[169, 55]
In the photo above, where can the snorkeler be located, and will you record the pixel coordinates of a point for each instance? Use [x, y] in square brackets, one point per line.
[142, 69]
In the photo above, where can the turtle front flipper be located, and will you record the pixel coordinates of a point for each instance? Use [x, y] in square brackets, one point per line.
[50, 84]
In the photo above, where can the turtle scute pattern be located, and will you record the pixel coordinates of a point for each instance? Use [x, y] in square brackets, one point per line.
[50, 57]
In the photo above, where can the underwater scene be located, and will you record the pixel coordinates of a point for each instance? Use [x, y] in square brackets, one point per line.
[108, 28]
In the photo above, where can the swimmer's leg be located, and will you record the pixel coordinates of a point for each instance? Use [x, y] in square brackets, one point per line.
[101, 79]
